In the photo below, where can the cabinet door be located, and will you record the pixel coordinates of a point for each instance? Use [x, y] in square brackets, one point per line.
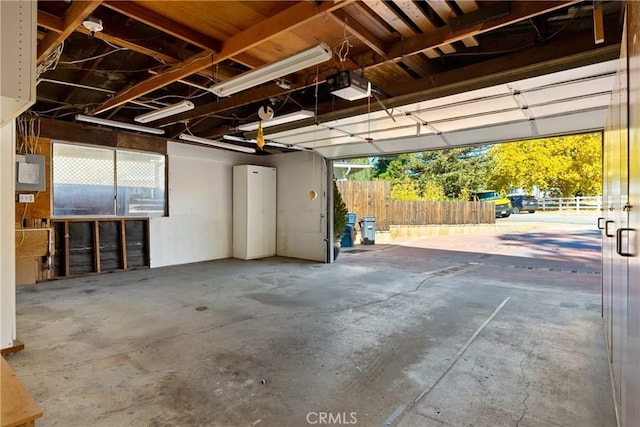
[254, 226]
[269, 212]
[631, 373]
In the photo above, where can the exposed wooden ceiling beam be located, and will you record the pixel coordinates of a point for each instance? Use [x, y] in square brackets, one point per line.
[263, 93]
[50, 22]
[72, 19]
[140, 13]
[361, 32]
[122, 36]
[388, 15]
[444, 35]
[293, 17]
[445, 12]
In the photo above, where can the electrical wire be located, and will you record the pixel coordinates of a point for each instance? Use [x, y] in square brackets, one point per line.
[566, 24]
[78, 61]
[341, 48]
[51, 61]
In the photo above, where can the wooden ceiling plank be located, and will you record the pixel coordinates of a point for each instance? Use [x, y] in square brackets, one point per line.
[444, 11]
[518, 12]
[72, 19]
[368, 19]
[50, 22]
[416, 15]
[403, 28]
[140, 13]
[360, 31]
[293, 17]
[384, 11]
[467, 6]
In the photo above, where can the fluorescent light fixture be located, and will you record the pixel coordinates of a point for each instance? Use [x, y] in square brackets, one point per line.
[205, 141]
[267, 143]
[292, 64]
[279, 120]
[161, 113]
[122, 125]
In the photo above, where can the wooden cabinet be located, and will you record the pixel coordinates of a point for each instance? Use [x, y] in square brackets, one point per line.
[254, 211]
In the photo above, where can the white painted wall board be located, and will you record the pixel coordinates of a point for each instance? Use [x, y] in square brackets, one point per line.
[301, 222]
[198, 227]
[7, 236]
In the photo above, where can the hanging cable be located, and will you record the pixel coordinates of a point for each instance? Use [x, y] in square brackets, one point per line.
[50, 62]
[342, 48]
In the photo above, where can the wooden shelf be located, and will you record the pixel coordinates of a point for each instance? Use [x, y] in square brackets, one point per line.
[18, 407]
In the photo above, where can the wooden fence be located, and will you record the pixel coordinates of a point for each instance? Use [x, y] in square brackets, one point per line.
[372, 198]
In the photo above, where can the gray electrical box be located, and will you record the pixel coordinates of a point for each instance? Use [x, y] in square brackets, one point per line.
[30, 172]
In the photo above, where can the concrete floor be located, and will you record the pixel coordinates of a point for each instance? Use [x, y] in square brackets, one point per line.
[501, 329]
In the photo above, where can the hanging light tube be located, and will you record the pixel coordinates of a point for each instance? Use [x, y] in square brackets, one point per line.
[122, 125]
[279, 120]
[167, 111]
[273, 71]
[205, 141]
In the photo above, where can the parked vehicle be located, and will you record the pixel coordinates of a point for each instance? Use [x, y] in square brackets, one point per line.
[521, 203]
[503, 205]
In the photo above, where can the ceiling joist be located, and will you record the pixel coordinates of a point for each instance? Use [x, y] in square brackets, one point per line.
[73, 17]
[294, 16]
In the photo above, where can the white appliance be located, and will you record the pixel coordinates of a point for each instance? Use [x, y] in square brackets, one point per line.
[254, 211]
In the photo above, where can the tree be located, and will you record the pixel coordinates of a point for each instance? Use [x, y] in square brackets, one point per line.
[339, 212]
[571, 164]
[405, 189]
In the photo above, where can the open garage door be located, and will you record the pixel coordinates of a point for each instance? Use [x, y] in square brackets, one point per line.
[564, 102]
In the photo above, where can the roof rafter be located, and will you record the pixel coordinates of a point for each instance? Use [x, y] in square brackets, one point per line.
[72, 19]
[294, 16]
[360, 31]
[140, 13]
[445, 35]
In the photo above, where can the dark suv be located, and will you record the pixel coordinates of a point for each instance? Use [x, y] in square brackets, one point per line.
[523, 203]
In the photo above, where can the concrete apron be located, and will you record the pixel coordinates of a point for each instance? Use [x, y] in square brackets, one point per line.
[479, 333]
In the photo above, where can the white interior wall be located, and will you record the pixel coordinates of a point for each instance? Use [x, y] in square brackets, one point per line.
[7, 236]
[199, 225]
[301, 222]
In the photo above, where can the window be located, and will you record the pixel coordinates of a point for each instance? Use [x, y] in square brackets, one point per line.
[89, 181]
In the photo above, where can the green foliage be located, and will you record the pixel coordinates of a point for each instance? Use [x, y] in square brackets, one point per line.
[405, 189]
[433, 191]
[440, 175]
[571, 164]
[339, 212]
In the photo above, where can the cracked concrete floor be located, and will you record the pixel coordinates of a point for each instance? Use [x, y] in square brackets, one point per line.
[454, 331]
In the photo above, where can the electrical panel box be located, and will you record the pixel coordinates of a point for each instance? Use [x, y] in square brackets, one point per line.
[348, 85]
[30, 172]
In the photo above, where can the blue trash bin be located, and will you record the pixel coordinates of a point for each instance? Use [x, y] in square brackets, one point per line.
[348, 236]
